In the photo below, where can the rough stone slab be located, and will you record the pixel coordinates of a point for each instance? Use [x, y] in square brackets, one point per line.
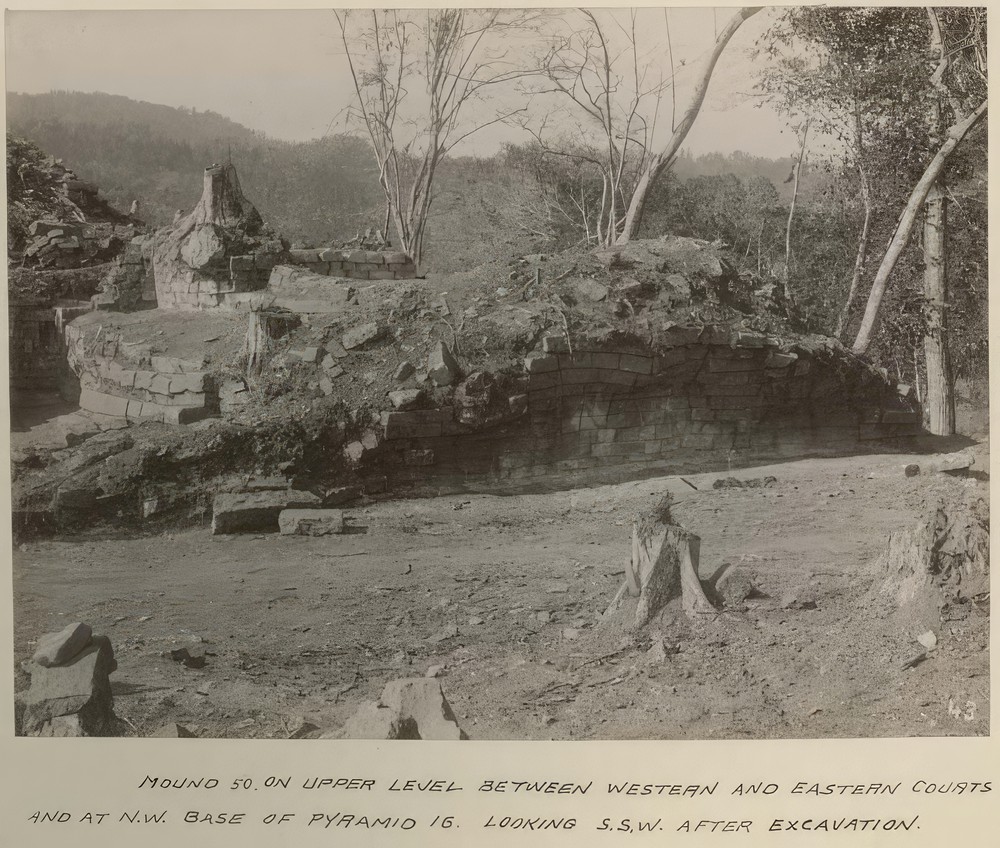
[80, 687]
[360, 336]
[540, 363]
[442, 368]
[311, 522]
[310, 355]
[406, 399]
[256, 511]
[945, 462]
[590, 290]
[58, 648]
[102, 403]
[415, 708]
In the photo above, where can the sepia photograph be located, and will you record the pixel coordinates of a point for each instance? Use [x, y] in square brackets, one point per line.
[499, 374]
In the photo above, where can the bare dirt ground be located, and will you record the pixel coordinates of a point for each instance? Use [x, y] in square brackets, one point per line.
[503, 595]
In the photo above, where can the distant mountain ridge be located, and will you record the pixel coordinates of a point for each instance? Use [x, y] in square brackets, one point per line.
[26, 111]
[322, 190]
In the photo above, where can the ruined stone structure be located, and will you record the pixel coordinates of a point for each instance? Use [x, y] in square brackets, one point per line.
[717, 398]
[139, 386]
[192, 259]
[222, 253]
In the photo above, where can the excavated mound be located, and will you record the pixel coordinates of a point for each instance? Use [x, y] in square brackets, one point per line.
[547, 372]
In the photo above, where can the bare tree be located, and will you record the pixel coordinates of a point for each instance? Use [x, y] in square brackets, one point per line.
[459, 55]
[659, 162]
[615, 92]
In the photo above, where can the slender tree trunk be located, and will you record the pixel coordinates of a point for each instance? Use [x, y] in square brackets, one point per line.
[861, 258]
[937, 364]
[907, 222]
[940, 397]
[659, 162]
[791, 215]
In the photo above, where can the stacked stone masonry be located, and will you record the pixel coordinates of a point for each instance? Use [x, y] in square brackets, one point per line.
[158, 388]
[601, 415]
[253, 272]
[356, 264]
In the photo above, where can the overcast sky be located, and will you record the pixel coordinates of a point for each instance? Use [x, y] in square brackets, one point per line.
[285, 72]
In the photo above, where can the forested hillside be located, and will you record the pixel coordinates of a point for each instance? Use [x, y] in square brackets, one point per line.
[323, 190]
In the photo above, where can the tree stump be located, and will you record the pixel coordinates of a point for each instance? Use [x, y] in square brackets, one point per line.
[943, 561]
[265, 326]
[663, 566]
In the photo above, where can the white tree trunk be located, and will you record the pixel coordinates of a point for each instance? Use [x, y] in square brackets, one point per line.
[907, 222]
[940, 397]
[662, 160]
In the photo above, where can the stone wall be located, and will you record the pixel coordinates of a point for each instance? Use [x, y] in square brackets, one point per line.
[164, 389]
[40, 303]
[36, 349]
[604, 415]
[356, 264]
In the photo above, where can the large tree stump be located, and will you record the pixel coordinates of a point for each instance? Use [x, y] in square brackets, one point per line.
[663, 566]
[941, 562]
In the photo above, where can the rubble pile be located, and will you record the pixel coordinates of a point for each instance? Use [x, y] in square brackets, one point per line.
[61, 244]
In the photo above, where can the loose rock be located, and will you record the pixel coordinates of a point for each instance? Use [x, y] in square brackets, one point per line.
[311, 522]
[80, 687]
[58, 648]
[441, 365]
[415, 708]
[360, 336]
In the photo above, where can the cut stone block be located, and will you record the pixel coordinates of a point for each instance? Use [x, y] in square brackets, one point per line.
[256, 511]
[311, 522]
